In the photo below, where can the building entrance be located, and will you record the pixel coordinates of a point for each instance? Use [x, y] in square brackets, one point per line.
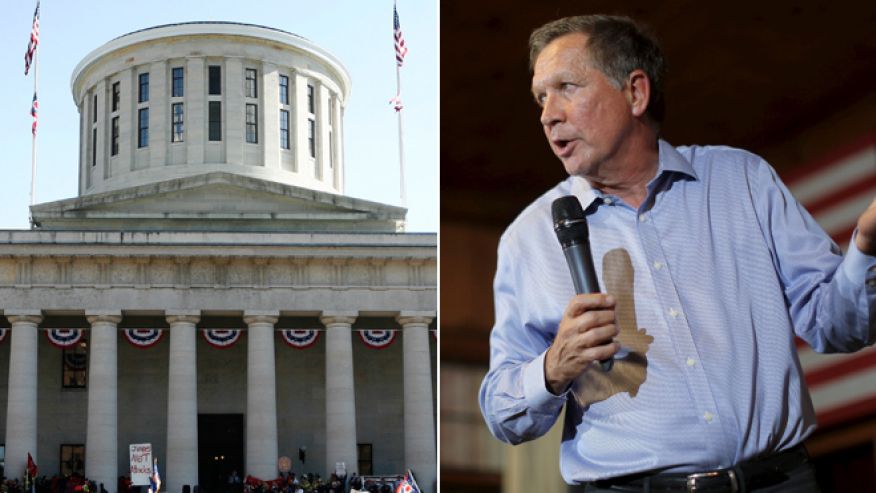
[220, 452]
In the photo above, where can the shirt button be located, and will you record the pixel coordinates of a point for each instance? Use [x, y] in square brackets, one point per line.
[708, 416]
[658, 264]
[871, 283]
[642, 218]
[691, 362]
[674, 313]
[606, 201]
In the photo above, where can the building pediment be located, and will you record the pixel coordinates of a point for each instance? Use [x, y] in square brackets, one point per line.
[218, 202]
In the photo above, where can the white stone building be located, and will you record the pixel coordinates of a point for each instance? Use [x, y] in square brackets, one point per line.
[211, 197]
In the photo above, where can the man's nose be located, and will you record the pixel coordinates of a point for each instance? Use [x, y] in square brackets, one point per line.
[551, 111]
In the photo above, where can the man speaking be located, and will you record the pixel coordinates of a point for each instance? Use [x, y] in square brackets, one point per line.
[707, 269]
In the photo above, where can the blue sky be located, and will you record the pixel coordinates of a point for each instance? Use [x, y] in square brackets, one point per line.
[359, 33]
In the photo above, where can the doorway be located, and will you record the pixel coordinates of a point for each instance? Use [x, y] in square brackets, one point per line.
[220, 451]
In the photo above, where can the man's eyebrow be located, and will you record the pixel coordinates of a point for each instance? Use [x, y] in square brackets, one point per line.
[557, 76]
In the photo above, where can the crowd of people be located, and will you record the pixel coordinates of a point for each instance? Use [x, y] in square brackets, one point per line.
[292, 483]
[313, 483]
[73, 483]
[286, 483]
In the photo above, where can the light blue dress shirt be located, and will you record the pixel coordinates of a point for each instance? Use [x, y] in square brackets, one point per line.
[714, 275]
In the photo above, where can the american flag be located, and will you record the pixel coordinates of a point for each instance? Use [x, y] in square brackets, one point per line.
[408, 484]
[400, 49]
[838, 187]
[33, 111]
[396, 102]
[155, 480]
[836, 190]
[34, 41]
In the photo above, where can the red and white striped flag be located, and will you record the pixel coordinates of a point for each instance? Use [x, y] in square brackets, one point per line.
[34, 107]
[400, 49]
[396, 102]
[836, 190]
[34, 39]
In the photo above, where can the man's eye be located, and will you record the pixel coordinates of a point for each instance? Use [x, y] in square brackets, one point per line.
[565, 86]
[539, 99]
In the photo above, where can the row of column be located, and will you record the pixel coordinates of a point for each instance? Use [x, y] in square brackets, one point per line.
[325, 166]
[101, 447]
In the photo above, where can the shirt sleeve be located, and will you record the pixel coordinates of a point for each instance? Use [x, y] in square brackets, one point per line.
[831, 297]
[514, 399]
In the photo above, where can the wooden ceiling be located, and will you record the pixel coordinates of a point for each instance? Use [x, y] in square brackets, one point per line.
[746, 74]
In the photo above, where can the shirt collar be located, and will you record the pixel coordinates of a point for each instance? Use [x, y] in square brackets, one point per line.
[669, 160]
[672, 160]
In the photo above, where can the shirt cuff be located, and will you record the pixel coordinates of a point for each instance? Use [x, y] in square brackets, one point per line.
[535, 391]
[858, 267]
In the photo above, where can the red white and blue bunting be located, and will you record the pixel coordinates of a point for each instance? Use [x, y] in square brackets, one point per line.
[377, 339]
[222, 338]
[143, 338]
[3, 333]
[64, 338]
[300, 339]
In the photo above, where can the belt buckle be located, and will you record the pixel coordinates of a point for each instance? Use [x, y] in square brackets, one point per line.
[692, 480]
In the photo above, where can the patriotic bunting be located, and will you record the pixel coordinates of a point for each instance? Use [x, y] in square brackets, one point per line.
[3, 333]
[143, 338]
[300, 339]
[221, 338]
[64, 338]
[377, 339]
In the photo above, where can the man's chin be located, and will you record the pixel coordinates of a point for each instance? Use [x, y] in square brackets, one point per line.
[576, 168]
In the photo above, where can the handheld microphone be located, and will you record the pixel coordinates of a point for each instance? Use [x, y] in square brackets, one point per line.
[570, 224]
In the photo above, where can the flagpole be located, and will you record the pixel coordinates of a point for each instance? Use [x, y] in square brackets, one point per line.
[33, 156]
[401, 147]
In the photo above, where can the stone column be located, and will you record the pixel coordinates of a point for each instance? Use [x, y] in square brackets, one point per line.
[101, 436]
[340, 397]
[195, 115]
[301, 115]
[182, 402]
[234, 111]
[21, 410]
[102, 165]
[85, 178]
[261, 395]
[269, 135]
[323, 142]
[159, 115]
[127, 119]
[420, 446]
[337, 179]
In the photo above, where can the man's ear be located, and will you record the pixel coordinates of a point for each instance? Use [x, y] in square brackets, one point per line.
[638, 92]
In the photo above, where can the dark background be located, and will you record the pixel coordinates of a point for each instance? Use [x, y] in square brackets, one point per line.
[793, 82]
[745, 74]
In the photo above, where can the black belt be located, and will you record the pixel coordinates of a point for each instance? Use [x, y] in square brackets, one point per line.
[745, 476]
